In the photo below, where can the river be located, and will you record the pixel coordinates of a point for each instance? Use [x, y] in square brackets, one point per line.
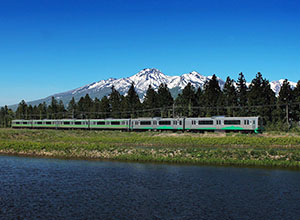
[41, 188]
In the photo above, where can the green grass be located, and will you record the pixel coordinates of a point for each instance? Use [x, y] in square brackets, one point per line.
[280, 150]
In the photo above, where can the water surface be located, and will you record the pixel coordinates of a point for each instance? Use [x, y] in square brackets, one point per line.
[39, 188]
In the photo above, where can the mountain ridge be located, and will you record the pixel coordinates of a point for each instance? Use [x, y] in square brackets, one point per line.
[141, 80]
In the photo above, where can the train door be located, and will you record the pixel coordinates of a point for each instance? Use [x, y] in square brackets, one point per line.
[154, 124]
[219, 124]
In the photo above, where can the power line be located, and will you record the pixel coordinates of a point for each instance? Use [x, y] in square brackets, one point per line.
[172, 108]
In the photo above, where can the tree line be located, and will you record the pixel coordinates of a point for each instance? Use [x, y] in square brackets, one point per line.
[235, 99]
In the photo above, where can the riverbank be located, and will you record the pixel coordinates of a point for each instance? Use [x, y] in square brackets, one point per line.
[276, 150]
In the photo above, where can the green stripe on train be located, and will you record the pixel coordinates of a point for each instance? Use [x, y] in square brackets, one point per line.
[200, 128]
[72, 126]
[144, 128]
[168, 128]
[233, 128]
[161, 127]
[214, 128]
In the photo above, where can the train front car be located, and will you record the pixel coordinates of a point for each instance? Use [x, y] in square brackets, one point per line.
[220, 123]
[243, 124]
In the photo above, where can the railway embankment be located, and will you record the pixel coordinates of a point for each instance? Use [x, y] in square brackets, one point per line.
[273, 150]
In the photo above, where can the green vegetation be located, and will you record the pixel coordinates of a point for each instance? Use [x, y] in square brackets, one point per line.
[218, 149]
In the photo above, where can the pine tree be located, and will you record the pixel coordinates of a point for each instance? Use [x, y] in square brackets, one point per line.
[186, 101]
[200, 102]
[35, 112]
[61, 110]
[284, 99]
[81, 108]
[164, 100]
[133, 103]
[115, 103]
[6, 116]
[260, 98]
[30, 112]
[150, 102]
[42, 111]
[269, 99]
[96, 108]
[21, 112]
[296, 99]
[105, 107]
[72, 108]
[85, 105]
[52, 109]
[212, 96]
[230, 96]
[88, 104]
[242, 93]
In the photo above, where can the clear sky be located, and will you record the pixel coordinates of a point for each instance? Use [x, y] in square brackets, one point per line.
[51, 46]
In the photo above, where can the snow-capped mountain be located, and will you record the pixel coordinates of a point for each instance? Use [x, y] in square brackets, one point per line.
[142, 80]
[276, 85]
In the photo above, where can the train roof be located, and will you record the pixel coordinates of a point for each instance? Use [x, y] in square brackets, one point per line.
[223, 117]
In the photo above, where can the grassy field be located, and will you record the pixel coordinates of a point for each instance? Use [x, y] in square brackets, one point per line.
[279, 150]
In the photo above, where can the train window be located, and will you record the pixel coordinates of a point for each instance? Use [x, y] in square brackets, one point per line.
[123, 123]
[77, 122]
[174, 122]
[246, 122]
[100, 122]
[145, 122]
[254, 122]
[39, 122]
[154, 122]
[232, 122]
[180, 122]
[219, 122]
[115, 123]
[136, 122]
[24, 122]
[48, 122]
[194, 122]
[205, 122]
[164, 122]
[17, 122]
[66, 122]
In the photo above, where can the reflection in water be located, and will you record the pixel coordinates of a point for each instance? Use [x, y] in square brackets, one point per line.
[33, 188]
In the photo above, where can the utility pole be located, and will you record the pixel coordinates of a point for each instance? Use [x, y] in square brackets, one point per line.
[287, 113]
[173, 110]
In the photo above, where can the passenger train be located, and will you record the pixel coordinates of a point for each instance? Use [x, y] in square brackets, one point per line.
[243, 124]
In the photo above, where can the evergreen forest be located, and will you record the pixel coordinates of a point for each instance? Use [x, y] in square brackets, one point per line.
[281, 112]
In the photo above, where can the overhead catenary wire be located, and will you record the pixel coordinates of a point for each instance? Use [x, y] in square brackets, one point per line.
[161, 109]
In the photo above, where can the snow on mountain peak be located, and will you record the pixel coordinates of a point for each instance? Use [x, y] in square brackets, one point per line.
[154, 77]
[276, 85]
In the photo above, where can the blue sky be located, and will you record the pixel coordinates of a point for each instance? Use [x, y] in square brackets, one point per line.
[50, 46]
